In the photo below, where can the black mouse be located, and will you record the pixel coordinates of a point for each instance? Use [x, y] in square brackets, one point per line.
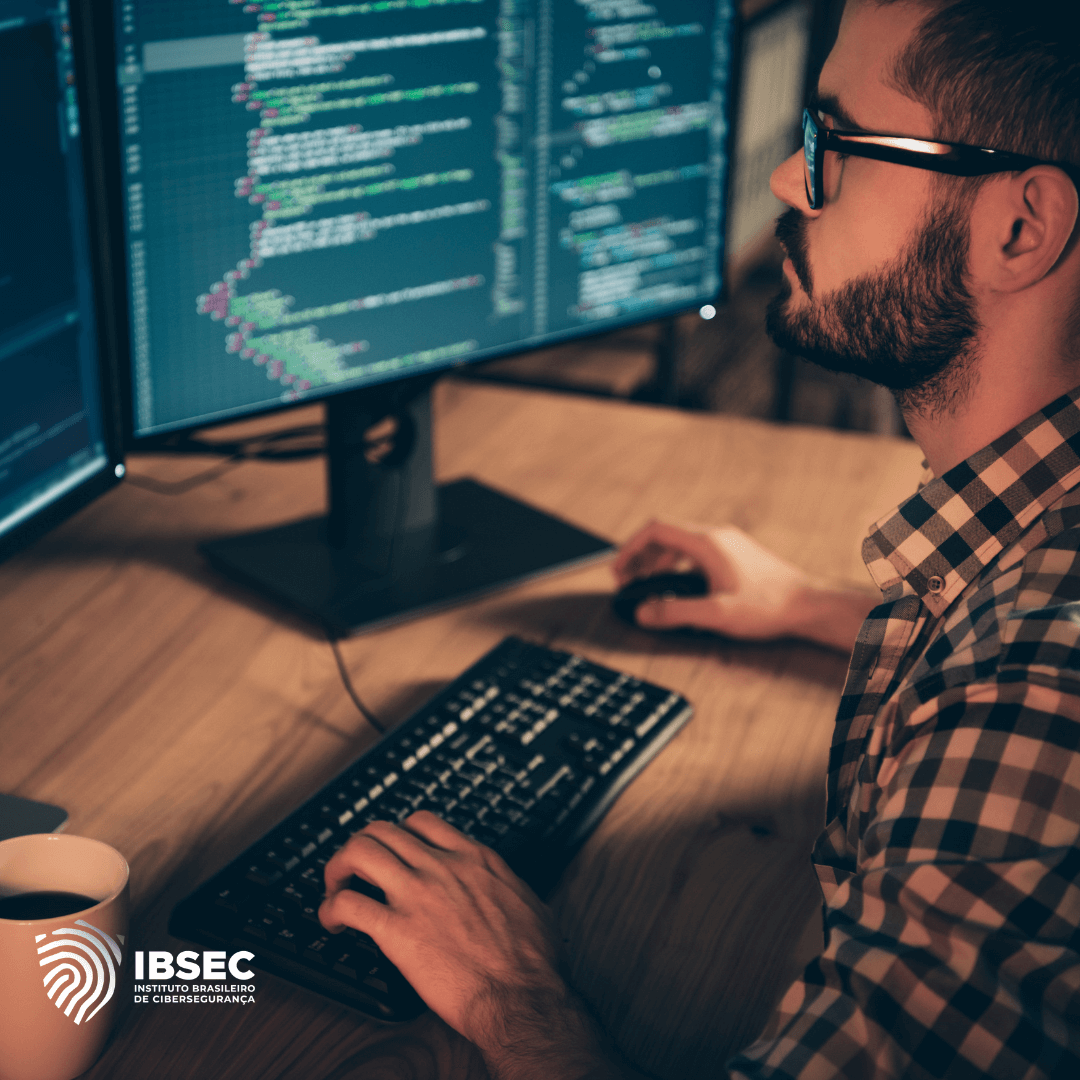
[661, 586]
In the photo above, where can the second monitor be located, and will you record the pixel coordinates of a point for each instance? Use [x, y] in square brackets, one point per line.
[314, 199]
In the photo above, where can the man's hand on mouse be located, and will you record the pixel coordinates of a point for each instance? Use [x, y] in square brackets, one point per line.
[754, 594]
[474, 941]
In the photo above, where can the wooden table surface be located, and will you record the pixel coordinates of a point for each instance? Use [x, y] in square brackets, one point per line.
[177, 717]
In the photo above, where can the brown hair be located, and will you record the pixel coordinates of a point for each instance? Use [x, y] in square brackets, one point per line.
[1004, 74]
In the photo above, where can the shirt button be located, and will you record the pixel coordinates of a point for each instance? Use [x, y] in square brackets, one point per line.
[936, 584]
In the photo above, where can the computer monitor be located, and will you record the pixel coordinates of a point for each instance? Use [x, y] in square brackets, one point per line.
[60, 442]
[341, 200]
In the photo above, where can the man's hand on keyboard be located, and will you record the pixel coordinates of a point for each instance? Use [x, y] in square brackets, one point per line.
[754, 594]
[474, 941]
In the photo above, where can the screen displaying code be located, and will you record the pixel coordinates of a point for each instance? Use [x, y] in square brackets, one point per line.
[51, 421]
[319, 196]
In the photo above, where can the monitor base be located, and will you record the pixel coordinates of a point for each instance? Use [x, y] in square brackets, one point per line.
[487, 541]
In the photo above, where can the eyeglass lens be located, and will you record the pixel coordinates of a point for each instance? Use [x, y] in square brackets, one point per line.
[809, 154]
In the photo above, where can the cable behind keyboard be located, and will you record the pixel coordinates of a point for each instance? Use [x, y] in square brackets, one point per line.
[524, 752]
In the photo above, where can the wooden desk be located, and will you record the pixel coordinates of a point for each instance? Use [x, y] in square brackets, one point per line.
[177, 717]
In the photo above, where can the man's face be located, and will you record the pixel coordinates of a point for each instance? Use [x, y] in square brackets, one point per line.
[873, 282]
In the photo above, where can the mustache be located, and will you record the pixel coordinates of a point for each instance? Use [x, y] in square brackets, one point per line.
[791, 232]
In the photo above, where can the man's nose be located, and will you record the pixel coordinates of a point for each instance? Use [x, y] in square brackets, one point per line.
[788, 185]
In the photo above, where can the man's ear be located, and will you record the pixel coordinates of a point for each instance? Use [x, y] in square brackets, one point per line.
[1020, 227]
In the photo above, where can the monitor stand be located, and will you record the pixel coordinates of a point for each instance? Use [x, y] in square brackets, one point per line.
[395, 545]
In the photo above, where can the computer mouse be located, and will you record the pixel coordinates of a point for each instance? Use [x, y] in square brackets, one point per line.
[660, 586]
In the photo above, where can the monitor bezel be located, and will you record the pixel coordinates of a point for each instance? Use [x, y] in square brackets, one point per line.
[94, 25]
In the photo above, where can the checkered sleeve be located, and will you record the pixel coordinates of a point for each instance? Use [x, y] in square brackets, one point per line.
[953, 949]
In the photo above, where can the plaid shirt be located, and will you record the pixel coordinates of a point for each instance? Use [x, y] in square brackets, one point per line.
[950, 864]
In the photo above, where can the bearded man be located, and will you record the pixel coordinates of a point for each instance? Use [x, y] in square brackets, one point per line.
[932, 247]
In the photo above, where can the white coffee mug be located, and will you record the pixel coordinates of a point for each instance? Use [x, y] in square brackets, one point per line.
[60, 974]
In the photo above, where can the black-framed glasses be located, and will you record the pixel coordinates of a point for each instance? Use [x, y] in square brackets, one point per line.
[955, 159]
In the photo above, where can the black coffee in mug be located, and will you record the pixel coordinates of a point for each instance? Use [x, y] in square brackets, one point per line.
[43, 904]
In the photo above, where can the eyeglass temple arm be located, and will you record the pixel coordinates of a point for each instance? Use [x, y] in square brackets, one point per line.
[957, 161]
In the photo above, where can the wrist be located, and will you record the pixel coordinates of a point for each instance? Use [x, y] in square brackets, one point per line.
[831, 616]
[544, 1033]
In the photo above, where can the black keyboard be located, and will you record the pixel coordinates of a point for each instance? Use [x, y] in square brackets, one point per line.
[524, 752]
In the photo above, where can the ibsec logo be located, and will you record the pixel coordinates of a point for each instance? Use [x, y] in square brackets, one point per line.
[81, 974]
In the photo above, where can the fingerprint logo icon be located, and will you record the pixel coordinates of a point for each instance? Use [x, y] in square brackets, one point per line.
[80, 975]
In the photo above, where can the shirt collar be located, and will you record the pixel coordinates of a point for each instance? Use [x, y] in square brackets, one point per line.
[938, 541]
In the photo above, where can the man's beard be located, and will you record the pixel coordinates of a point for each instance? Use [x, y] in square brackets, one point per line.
[910, 327]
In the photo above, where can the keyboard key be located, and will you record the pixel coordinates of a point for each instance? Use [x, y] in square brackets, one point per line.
[459, 789]
[408, 800]
[299, 846]
[443, 803]
[261, 928]
[285, 940]
[645, 726]
[513, 770]
[283, 860]
[489, 760]
[459, 819]
[263, 875]
[553, 777]
[474, 807]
